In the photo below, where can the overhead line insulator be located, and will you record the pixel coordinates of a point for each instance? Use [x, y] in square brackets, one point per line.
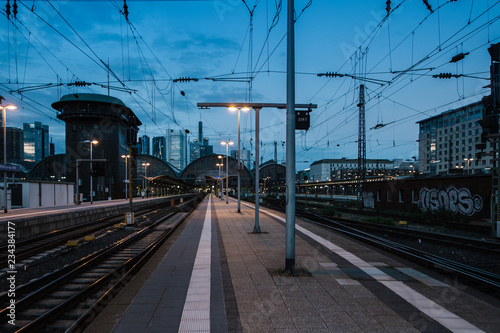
[458, 57]
[80, 84]
[331, 74]
[428, 6]
[444, 76]
[185, 79]
[388, 8]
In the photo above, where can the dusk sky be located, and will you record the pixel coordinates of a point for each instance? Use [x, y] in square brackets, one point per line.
[60, 42]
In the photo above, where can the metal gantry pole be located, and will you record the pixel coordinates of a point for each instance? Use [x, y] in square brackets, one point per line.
[91, 180]
[256, 228]
[239, 183]
[77, 185]
[130, 178]
[227, 173]
[4, 111]
[290, 142]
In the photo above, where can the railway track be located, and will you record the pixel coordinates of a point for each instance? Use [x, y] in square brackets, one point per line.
[31, 246]
[483, 279]
[322, 203]
[66, 299]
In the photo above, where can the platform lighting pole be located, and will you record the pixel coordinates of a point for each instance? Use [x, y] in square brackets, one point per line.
[93, 142]
[257, 107]
[126, 175]
[219, 189]
[4, 111]
[130, 179]
[145, 165]
[220, 179]
[256, 227]
[227, 144]
[468, 164]
[234, 108]
[290, 141]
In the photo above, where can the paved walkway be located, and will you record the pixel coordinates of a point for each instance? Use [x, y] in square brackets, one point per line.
[216, 276]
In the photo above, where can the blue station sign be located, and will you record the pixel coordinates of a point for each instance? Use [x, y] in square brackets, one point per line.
[9, 167]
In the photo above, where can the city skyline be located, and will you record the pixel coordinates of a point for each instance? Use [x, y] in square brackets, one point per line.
[403, 51]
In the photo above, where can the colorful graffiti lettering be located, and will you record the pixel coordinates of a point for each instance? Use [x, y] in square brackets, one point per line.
[458, 201]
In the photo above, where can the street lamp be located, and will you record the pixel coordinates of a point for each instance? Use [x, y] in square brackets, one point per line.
[126, 175]
[220, 179]
[219, 165]
[227, 144]
[93, 142]
[145, 176]
[3, 108]
[468, 164]
[239, 108]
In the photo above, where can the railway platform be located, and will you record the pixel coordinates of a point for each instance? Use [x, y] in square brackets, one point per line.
[215, 275]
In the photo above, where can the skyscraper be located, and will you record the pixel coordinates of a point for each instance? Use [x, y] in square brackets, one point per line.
[144, 144]
[176, 148]
[160, 147]
[194, 150]
[15, 144]
[36, 141]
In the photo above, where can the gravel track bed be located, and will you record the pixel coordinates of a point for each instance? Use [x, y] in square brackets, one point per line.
[59, 259]
[479, 259]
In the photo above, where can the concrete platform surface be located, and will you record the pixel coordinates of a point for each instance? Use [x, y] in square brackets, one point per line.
[215, 275]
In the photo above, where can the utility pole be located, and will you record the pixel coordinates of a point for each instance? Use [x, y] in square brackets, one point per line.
[494, 106]
[490, 125]
[275, 151]
[290, 141]
[361, 141]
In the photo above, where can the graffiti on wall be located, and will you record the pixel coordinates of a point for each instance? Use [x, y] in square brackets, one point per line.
[459, 201]
[368, 200]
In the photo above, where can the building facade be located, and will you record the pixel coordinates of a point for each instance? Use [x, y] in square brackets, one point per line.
[36, 141]
[200, 146]
[160, 148]
[177, 148]
[451, 143]
[337, 169]
[113, 126]
[143, 145]
[15, 144]
[461, 195]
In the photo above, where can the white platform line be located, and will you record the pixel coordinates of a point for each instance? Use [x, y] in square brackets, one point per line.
[424, 278]
[196, 312]
[446, 318]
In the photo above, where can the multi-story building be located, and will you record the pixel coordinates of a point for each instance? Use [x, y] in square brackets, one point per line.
[160, 147]
[199, 147]
[15, 144]
[194, 150]
[447, 142]
[336, 169]
[36, 141]
[143, 145]
[176, 148]
[113, 126]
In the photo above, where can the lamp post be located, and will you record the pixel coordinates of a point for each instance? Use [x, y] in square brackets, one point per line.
[468, 164]
[4, 108]
[227, 144]
[220, 179]
[126, 175]
[145, 176]
[93, 142]
[219, 189]
[239, 108]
